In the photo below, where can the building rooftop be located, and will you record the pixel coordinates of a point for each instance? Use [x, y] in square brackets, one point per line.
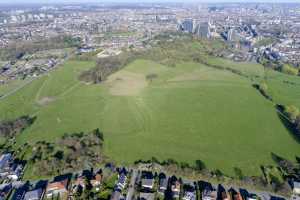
[34, 194]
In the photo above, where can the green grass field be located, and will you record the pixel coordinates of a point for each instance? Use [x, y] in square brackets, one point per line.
[285, 89]
[5, 88]
[187, 112]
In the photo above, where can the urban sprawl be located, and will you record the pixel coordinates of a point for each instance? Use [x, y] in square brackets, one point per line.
[257, 32]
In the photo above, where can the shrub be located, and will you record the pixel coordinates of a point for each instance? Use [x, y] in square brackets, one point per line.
[292, 112]
[288, 69]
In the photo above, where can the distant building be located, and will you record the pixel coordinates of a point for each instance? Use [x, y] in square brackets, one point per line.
[203, 30]
[187, 26]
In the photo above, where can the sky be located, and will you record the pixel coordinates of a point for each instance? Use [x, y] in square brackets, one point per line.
[138, 1]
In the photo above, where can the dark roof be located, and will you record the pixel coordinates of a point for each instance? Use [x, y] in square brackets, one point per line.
[147, 182]
[147, 175]
[188, 188]
[163, 182]
[20, 192]
[162, 176]
[34, 194]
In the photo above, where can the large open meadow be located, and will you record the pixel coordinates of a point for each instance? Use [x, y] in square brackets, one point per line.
[187, 112]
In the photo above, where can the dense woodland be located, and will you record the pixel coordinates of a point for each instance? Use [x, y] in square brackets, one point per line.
[74, 151]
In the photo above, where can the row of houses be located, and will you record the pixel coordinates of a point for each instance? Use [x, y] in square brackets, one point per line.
[120, 185]
[61, 187]
[129, 184]
[152, 186]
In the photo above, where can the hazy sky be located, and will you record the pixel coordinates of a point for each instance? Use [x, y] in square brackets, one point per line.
[140, 1]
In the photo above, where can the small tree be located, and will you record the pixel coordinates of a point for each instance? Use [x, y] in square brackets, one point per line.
[238, 173]
[150, 77]
[88, 189]
[292, 112]
[59, 155]
[200, 165]
[99, 134]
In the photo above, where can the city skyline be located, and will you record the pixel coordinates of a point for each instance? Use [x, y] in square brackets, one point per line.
[144, 1]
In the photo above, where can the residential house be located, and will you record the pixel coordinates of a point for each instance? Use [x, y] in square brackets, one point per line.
[96, 181]
[225, 196]
[78, 184]
[16, 171]
[57, 188]
[36, 194]
[117, 195]
[222, 193]
[209, 193]
[237, 196]
[296, 188]
[163, 183]
[175, 188]
[121, 181]
[5, 190]
[10, 169]
[5, 162]
[189, 192]
[147, 180]
[19, 191]
[234, 194]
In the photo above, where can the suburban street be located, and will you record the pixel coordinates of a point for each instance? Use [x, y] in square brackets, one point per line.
[131, 185]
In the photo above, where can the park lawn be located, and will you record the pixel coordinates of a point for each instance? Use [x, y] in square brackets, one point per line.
[11, 85]
[250, 69]
[285, 89]
[220, 119]
[187, 112]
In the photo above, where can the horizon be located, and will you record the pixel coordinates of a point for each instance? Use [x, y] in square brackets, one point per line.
[22, 2]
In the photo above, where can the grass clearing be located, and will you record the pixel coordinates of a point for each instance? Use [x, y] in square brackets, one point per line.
[285, 89]
[124, 83]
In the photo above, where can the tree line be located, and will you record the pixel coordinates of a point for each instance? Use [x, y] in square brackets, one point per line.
[10, 128]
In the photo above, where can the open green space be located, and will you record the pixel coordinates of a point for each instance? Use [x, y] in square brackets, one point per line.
[285, 89]
[187, 112]
[11, 85]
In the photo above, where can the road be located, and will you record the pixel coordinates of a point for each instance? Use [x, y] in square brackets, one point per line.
[130, 192]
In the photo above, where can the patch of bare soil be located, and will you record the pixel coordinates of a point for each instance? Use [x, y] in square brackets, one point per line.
[124, 83]
[45, 100]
